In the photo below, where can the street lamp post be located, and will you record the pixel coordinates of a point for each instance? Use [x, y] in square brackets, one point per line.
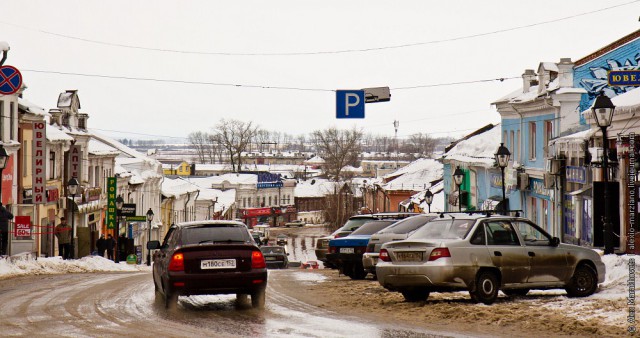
[458, 177]
[72, 189]
[502, 158]
[4, 157]
[603, 110]
[428, 198]
[149, 219]
[119, 205]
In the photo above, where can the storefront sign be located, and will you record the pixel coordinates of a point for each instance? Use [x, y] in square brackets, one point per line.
[255, 212]
[75, 162]
[22, 227]
[92, 194]
[7, 182]
[624, 77]
[136, 218]
[269, 180]
[53, 194]
[576, 174]
[538, 189]
[39, 162]
[111, 203]
[128, 209]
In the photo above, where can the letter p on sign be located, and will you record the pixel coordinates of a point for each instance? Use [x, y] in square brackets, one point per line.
[350, 104]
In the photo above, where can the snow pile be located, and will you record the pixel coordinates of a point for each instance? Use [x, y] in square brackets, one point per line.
[617, 278]
[56, 265]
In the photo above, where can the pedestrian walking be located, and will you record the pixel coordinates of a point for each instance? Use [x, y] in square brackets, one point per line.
[63, 233]
[101, 245]
[110, 243]
[5, 217]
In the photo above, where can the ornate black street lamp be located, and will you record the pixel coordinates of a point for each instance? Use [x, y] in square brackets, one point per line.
[149, 219]
[502, 158]
[603, 110]
[428, 198]
[119, 205]
[72, 189]
[458, 177]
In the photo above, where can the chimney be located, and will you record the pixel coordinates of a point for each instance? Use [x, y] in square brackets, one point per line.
[528, 78]
[565, 68]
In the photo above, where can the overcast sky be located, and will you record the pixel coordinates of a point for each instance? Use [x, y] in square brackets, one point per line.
[316, 46]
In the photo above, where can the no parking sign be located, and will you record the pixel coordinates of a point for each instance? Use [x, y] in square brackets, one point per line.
[10, 80]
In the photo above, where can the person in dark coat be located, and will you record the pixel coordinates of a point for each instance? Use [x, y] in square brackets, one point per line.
[63, 233]
[5, 217]
[101, 245]
[110, 243]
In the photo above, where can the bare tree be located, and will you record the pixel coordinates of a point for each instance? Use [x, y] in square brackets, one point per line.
[422, 143]
[338, 148]
[235, 136]
[199, 141]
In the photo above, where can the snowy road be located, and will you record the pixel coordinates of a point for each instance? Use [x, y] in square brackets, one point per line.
[123, 304]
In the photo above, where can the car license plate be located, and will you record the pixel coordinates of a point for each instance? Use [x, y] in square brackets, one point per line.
[270, 258]
[347, 250]
[217, 264]
[409, 256]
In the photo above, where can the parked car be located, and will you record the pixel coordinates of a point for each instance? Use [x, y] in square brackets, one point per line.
[354, 222]
[263, 231]
[484, 254]
[208, 257]
[296, 223]
[345, 253]
[282, 239]
[395, 232]
[275, 256]
[309, 265]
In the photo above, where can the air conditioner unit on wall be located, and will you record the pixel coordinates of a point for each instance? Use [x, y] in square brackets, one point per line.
[549, 180]
[523, 181]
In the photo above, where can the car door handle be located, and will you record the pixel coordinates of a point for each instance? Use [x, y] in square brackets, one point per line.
[497, 253]
[532, 254]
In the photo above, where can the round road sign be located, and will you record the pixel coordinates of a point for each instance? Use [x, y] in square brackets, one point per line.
[10, 80]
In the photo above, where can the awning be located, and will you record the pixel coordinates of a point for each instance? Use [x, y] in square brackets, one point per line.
[585, 191]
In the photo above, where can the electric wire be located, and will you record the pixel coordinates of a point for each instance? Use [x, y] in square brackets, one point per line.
[343, 51]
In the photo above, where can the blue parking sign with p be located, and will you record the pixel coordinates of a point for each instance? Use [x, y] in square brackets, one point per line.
[350, 104]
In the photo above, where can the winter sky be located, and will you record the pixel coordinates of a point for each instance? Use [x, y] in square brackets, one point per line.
[153, 69]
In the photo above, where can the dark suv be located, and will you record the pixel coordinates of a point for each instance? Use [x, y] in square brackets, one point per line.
[209, 257]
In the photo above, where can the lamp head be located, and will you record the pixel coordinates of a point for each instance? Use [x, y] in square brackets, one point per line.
[502, 156]
[149, 215]
[603, 110]
[458, 176]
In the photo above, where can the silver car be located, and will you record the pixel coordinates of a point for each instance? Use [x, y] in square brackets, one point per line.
[395, 232]
[484, 254]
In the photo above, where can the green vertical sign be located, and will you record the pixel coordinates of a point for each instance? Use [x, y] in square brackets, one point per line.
[112, 216]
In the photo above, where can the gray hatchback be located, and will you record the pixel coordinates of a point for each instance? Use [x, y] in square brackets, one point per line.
[484, 254]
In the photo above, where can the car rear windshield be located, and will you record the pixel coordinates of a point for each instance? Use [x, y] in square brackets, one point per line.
[272, 250]
[407, 225]
[372, 227]
[446, 228]
[214, 234]
[354, 223]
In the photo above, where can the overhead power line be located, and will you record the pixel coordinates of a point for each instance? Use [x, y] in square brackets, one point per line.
[342, 51]
[222, 84]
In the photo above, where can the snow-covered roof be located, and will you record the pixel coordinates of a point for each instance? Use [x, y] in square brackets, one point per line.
[235, 178]
[314, 188]
[437, 204]
[31, 107]
[96, 147]
[54, 134]
[315, 160]
[550, 66]
[578, 137]
[177, 187]
[628, 102]
[476, 150]
[416, 176]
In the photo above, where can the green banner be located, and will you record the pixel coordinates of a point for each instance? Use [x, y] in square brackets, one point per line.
[112, 216]
[136, 218]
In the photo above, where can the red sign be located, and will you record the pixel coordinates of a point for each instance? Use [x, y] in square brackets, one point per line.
[254, 212]
[22, 227]
[7, 182]
[53, 194]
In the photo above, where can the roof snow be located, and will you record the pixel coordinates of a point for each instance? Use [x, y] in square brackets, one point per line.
[31, 107]
[476, 150]
[415, 176]
[314, 188]
[177, 187]
[55, 134]
[315, 160]
[98, 148]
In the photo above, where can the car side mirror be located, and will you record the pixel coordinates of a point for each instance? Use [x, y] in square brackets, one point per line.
[152, 245]
[555, 241]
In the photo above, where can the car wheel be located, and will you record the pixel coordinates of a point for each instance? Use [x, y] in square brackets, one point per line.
[242, 298]
[516, 292]
[486, 290]
[170, 299]
[415, 295]
[258, 298]
[583, 283]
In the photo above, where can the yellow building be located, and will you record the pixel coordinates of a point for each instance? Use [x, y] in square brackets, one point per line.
[181, 169]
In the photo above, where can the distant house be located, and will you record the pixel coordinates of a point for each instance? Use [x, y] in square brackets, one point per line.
[181, 169]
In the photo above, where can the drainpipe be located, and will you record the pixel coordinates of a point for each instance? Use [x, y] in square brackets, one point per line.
[4, 55]
[523, 202]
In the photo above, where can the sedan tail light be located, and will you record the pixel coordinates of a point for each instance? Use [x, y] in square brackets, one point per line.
[439, 253]
[177, 262]
[332, 249]
[257, 260]
[384, 255]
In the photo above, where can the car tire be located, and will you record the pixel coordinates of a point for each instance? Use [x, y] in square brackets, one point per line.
[415, 295]
[583, 283]
[170, 299]
[258, 299]
[358, 272]
[516, 292]
[486, 289]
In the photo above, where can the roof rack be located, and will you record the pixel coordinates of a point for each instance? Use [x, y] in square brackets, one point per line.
[485, 212]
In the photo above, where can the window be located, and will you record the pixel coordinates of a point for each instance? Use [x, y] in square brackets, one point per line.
[532, 140]
[249, 202]
[52, 165]
[501, 233]
[478, 237]
[244, 202]
[97, 177]
[269, 200]
[532, 235]
[90, 171]
[548, 135]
